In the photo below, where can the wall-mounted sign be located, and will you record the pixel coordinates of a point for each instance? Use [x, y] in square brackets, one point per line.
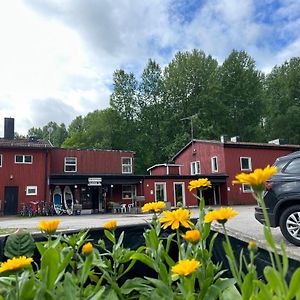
[94, 181]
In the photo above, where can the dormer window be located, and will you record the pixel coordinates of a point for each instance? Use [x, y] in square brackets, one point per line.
[70, 164]
[126, 165]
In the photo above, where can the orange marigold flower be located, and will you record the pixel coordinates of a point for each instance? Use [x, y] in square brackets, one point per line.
[186, 267]
[176, 218]
[110, 225]
[87, 248]
[203, 183]
[192, 236]
[257, 178]
[153, 206]
[49, 227]
[221, 215]
[15, 263]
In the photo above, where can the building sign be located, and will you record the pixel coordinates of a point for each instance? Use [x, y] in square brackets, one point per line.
[94, 181]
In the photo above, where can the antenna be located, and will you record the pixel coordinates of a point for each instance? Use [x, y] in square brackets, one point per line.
[192, 129]
[50, 130]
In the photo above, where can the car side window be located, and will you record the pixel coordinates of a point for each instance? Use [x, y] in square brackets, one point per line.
[293, 167]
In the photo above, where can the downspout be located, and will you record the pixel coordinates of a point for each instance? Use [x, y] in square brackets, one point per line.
[46, 177]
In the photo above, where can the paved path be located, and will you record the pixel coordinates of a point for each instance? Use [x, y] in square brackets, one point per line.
[243, 226]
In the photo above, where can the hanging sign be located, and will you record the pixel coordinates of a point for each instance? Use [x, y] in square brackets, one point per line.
[94, 181]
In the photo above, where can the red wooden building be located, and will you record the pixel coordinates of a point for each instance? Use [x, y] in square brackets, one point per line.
[228, 158]
[32, 170]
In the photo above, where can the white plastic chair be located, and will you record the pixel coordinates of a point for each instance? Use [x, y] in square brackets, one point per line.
[130, 206]
[123, 208]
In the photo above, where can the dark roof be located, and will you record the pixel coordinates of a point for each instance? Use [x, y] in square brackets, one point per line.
[24, 143]
[230, 144]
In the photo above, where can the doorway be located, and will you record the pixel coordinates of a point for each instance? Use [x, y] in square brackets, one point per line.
[11, 200]
[179, 195]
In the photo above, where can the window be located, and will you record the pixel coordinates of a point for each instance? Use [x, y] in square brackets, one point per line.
[128, 191]
[70, 164]
[160, 191]
[0, 160]
[195, 167]
[126, 165]
[31, 190]
[246, 188]
[293, 167]
[214, 164]
[245, 163]
[23, 159]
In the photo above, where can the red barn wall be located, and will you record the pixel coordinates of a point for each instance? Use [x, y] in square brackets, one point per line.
[203, 153]
[149, 190]
[24, 175]
[90, 161]
[260, 158]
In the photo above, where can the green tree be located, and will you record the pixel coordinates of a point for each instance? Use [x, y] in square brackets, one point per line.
[240, 95]
[189, 90]
[283, 101]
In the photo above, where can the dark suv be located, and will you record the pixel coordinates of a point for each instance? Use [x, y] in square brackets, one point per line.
[282, 197]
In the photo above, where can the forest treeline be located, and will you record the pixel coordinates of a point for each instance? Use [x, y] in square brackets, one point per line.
[151, 115]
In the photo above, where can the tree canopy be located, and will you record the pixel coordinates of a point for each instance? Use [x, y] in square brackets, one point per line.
[152, 115]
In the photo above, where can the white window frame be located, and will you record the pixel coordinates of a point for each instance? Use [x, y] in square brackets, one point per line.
[249, 162]
[164, 184]
[1, 158]
[127, 167]
[31, 187]
[213, 169]
[246, 188]
[68, 164]
[132, 191]
[183, 192]
[23, 159]
[195, 166]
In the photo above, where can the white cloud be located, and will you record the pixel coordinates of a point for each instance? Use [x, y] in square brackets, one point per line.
[63, 53]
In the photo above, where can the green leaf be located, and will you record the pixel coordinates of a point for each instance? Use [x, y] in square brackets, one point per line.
[285, 260]
[294, 285]
[274, 279]
[269, 237]
[247, 286]
[19, 244]
[145, 260]
[110, 236]
[86, 268]
[50, 267]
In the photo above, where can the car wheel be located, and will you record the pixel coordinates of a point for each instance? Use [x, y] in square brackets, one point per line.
[290, 224]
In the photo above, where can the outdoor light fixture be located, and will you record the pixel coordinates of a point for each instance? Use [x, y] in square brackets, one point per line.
[11, 176]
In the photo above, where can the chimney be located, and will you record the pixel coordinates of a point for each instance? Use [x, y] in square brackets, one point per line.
[224, 138]
[9, 128]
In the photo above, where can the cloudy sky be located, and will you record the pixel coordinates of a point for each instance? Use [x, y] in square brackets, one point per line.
[57, 57]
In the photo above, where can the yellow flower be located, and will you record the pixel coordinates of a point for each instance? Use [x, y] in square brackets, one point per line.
[87, 248]
[192, 236]
[153, 206]
[175, 218]
[200, 183]
[252, 246]
[186, 267]
[111, 225]
[221, 215]
[257, 178]
[49, 227]
[15, 263]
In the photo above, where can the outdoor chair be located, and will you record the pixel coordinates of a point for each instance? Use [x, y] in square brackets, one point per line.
[123, 208]
[130, 206]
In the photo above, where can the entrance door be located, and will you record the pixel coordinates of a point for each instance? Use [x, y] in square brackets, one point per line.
[179, 195]
[11, 200]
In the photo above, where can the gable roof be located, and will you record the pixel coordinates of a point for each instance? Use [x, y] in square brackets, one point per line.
[230, 144]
